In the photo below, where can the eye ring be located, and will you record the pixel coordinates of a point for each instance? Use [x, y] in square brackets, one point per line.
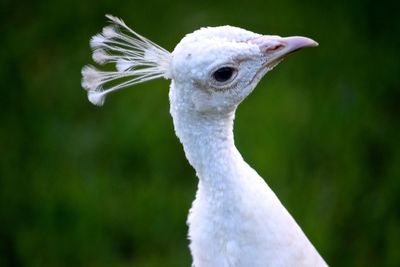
[223, 75]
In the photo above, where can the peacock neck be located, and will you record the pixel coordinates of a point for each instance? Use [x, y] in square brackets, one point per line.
[209, 145]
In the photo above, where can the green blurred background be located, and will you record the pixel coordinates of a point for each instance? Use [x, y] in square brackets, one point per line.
[88, 186]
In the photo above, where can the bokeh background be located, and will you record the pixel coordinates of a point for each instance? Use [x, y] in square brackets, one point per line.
[88, 186]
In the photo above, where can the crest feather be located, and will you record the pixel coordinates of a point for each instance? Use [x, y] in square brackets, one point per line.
[136, 58]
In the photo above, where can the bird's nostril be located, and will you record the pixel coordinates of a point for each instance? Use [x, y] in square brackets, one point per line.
[274, 48]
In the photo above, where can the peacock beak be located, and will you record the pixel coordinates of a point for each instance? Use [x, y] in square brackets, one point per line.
[276, 48]
[295, 43]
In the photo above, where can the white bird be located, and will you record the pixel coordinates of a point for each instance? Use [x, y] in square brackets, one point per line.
[236, 220]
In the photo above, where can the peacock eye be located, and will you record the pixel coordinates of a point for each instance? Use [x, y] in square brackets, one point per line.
[224, 74]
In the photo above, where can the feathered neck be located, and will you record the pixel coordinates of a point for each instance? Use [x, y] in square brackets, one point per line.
[207, 139]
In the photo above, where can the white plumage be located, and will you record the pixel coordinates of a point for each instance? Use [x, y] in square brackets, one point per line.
[236, 220]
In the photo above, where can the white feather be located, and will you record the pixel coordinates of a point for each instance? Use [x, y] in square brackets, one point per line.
[96, 98]
[91, 79]
[109, 32]
[129, 51]
[100, 56]
[123, 65]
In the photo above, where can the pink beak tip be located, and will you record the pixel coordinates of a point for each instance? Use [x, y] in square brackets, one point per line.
[300, 42]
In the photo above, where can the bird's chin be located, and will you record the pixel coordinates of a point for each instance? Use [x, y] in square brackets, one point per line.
[273, 63]
[268, 66]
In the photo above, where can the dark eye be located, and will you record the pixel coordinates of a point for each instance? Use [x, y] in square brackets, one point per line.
[223, 74]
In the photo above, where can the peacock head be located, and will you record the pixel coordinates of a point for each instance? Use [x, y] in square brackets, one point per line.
[212, 69]
[219, 66]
